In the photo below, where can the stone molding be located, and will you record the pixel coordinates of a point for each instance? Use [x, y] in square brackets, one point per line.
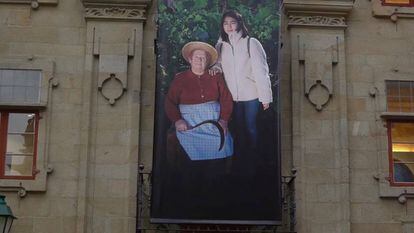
[316, 13]
[324, 21]
[33, 3]
[116, 10]
[336, 7]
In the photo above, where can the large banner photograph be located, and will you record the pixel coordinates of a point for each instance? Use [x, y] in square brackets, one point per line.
[217, 143]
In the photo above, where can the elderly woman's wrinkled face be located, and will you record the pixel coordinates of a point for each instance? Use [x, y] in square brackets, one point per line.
[230, 25]
[199, 60]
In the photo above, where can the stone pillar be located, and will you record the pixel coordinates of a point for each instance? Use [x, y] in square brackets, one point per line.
[319, 114]
[111, 115]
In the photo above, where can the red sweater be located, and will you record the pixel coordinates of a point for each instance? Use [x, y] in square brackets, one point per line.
[189, 88]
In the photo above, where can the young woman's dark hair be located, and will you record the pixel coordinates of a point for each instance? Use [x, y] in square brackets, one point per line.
[240, 24]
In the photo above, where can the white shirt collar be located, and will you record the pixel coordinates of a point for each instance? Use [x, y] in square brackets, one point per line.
[235, 37]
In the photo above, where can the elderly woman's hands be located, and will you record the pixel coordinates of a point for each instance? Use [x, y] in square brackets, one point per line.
[181, 125]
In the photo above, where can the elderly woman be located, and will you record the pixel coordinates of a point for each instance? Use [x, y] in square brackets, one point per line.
[200, 105]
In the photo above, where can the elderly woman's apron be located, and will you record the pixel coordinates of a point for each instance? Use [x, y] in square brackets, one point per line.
[203, 142]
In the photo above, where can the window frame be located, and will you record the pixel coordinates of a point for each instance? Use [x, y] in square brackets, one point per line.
[391, 11]
[41, 99]
[44, 109]
[401, 109]
[390, 152]
[381, 174]
[3, 144]
[410, 4]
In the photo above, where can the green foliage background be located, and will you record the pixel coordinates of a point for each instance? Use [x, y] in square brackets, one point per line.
[181, 21]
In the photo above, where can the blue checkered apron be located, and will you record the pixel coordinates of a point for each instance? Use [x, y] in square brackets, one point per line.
[203, 142]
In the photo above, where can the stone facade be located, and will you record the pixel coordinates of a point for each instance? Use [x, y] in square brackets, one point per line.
[97, 57]
[100, 53]
[336, 57]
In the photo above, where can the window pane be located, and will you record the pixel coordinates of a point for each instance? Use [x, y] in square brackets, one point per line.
[20, 144]
[20, 137]
[403, 172]
[400, 96]
[405, 89]
[19, 78]
[6, 94]
[32, 93]
[19, 94]
[402, 136]
[18, 165]
[7, 78]
[404, 157]
[20, 86]
[21, 122]
[402, 132]
[393, 88]
[405, 2]
[33, 79]
[393, 104]
[406, 104]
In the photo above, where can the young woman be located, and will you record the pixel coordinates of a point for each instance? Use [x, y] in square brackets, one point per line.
[242, 60]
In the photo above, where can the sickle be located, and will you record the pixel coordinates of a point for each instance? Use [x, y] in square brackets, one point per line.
[218, 126]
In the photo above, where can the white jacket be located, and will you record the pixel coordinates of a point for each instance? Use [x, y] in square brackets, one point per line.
[247, 78]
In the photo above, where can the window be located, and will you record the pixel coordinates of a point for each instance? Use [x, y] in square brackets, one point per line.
[25, 117]
[19, 86]
[18, 142]
[393, 9]
[18, 128]
[401, 136]
[400, 100]
[398, 2]
[400, 96]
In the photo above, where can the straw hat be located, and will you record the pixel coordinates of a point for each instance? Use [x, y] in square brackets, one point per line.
[198, 45]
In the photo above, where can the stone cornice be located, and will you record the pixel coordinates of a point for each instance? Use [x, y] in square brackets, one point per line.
[317, 13]
[33, 3]
[133, 10]
[335, 7]
[317, 21]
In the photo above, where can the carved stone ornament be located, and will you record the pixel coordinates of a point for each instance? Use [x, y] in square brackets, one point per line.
[114, 13]
[129, 10]
[324, 21]
[112, 89]
[318, 95]
[317, 63]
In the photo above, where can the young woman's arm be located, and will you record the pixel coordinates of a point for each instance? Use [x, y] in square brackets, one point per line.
[260, 72]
